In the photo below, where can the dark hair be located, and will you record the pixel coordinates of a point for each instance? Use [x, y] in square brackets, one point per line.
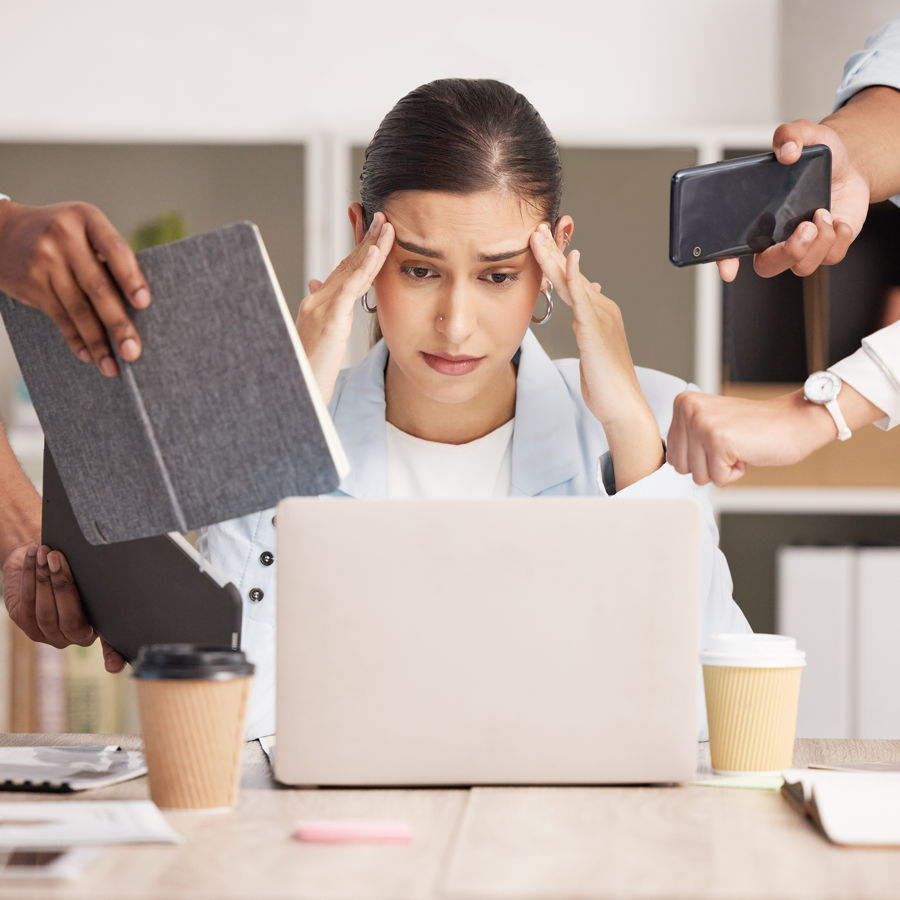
[461, 136]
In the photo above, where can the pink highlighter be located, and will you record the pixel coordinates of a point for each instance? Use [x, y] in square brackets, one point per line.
[353, 831]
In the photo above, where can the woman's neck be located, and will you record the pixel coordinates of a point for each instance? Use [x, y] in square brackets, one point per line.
[415, 413]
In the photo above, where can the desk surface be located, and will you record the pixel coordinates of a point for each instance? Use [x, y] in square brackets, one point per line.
[489, 843]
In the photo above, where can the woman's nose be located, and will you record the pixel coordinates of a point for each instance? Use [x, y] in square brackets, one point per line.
[457, 316]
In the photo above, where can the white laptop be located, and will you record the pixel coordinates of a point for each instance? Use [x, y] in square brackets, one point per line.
[511, 641]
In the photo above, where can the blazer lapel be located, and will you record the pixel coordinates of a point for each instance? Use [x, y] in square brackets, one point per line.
[359, 415]
[545, 450]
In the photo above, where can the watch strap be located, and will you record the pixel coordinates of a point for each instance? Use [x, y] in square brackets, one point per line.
[843, 431]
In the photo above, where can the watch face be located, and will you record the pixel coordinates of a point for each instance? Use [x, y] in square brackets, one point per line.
[821, 387]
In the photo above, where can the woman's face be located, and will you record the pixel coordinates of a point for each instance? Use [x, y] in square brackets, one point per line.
[457, 290]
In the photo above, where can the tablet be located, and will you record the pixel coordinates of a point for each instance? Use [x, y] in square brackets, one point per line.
[149, 591]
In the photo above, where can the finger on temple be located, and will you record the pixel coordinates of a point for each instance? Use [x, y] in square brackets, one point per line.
[548, 256]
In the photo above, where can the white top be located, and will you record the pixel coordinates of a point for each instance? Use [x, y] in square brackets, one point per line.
[874, 370]
[420, 470]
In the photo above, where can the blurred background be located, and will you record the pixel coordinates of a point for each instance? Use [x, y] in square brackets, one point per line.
[177, 117]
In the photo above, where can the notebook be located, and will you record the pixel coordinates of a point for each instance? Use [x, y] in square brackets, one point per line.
[549, 640]
[155, 590]
[859, 809]
[219, 417]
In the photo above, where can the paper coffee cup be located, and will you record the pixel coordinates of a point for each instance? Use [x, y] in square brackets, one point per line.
[752, 685]
[192, 702]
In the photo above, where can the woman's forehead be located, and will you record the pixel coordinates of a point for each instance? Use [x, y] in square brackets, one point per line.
[482, 223]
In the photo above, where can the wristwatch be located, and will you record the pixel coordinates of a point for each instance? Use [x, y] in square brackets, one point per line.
[823, 388]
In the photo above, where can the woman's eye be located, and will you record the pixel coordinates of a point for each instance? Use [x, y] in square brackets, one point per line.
[502, 277]
[417, 273]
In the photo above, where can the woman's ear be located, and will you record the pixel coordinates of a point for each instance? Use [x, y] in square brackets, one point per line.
[358, 221]
[563, 232]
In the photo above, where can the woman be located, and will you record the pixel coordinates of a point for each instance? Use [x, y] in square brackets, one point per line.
[458, 232]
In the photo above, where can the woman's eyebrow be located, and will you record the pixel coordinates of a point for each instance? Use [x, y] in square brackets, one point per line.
[434, 254]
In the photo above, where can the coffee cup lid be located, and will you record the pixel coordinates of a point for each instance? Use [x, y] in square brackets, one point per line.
[191, 661]
[757, 651]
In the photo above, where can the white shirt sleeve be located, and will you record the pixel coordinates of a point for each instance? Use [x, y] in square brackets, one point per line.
[874, 371]
[877, 64]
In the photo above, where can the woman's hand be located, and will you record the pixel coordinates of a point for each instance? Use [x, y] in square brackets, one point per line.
[42, 599]
[326, 315]
[609, 383]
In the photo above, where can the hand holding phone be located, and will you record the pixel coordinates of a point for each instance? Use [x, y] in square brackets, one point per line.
[746, 205]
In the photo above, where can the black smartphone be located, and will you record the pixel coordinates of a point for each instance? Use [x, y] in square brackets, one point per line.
[741, 206]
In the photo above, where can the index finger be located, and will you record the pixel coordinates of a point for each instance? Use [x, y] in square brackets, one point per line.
[119, 257]
[72, 622]
[550, 258]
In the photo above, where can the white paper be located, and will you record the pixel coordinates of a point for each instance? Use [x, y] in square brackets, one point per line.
[74, 768]
[37, 824]
[855, 808]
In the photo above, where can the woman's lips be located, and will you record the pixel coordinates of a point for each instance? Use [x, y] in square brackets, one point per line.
[448, 364]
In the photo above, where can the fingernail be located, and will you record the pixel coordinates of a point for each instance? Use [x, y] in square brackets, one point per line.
[376, 224]
[826, 216]
[141, 298]
[129, 349]
[53, 562]
[42, 556]
[84, 355]
[108, 366]
[789, 148]
[32, 551]
[807, 231]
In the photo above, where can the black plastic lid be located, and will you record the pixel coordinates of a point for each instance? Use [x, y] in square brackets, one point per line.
[191, 661]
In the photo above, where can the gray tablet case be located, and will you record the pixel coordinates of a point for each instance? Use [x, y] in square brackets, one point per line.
[148, 591]
[219, 417]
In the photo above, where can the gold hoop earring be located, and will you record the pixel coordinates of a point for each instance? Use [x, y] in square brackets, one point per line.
[364, 302]
[548, 296]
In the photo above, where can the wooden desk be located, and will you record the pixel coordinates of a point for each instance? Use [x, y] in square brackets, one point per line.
[487, 843]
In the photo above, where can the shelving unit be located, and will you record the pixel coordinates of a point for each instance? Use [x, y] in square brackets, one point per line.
[617, 190]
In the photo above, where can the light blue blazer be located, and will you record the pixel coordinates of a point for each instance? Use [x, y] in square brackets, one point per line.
[558, 449]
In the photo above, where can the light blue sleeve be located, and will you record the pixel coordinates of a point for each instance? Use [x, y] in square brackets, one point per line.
[877, 64]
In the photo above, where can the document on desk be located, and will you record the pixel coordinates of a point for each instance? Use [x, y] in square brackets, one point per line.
[67, 768]
[852, 809]
[59, 823]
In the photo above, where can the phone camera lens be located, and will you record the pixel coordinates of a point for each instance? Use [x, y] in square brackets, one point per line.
[697, 251]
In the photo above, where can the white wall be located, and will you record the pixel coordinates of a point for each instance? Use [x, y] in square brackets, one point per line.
[274, 69]
[817, 37]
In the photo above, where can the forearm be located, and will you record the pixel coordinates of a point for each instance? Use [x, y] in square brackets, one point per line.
[636, 449]
[869, 125]
[20, 504]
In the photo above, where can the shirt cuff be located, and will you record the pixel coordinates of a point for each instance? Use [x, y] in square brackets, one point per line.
[864, 374]
[664, 482]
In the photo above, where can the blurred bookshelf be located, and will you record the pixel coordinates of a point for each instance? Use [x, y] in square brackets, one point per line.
[751, 338]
